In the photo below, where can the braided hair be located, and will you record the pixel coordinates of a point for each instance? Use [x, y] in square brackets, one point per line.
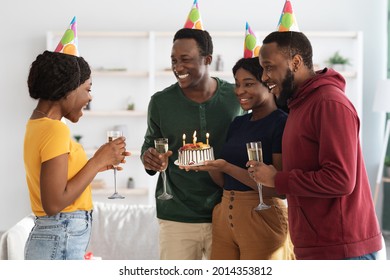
[53, 75]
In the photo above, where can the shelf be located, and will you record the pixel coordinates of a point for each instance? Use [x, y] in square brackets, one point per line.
[321, 34]
[111, 34]
[229, 74]
[102, 34]
[164, 73]
[118, 113]
[106, 191]
[168, 73]
[137, 196]
[134, 152]
[130, 67]
[120, 73]
[386, 179]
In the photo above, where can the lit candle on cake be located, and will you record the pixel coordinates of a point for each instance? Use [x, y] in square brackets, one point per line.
[207, 138]
[184, 140]
[194, 137]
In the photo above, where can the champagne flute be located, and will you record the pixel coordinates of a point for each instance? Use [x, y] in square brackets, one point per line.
[161, 145]
[255, 152]
[111, 136]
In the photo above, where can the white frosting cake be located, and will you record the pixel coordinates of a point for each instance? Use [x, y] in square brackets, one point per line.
[195, 154]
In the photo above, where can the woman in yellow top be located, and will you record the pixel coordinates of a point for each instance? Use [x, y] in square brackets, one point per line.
[58, 172]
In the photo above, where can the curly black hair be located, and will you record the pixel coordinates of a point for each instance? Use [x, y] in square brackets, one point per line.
[202, 38]
[252, 65]
[292, 43]
[53, 75]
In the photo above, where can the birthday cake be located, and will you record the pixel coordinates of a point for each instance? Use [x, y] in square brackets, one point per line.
[195, 154]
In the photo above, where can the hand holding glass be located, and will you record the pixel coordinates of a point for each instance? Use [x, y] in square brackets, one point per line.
[255, 152]
[111, 136]
[161, 145]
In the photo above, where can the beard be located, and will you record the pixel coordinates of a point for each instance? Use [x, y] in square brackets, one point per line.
[287, 90]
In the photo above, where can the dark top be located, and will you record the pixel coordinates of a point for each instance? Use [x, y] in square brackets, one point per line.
[268, 130]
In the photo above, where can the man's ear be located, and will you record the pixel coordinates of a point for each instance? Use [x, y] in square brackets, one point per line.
[208, 59]
[296, 62]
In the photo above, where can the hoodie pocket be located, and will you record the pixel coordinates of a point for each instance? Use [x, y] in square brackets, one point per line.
[302, 232]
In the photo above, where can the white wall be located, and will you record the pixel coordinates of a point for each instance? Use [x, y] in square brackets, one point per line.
[24, 25]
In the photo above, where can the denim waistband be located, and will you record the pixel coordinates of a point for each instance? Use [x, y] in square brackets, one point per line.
[81, 214]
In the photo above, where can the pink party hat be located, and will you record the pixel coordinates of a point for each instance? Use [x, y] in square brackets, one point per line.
[251, 48]
[68, 43]
[194, 20]
[287, 21]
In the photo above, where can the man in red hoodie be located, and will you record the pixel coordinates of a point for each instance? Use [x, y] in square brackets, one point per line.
[330, 208]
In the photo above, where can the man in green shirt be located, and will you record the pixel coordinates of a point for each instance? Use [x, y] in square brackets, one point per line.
[197, 102]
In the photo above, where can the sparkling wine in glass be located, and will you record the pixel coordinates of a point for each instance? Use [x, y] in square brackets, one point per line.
[255, 152]
[111, 136]
[161, 145]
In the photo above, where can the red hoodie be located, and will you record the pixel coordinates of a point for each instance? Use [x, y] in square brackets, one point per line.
[330, 208]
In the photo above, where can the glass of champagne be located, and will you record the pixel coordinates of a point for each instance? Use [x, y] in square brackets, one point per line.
[161, 145]
[111, 136]
[255, 152]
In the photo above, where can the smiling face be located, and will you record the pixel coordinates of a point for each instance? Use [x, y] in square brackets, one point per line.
[251, 93]
[72, 105]
[277, 74]
[188, 65]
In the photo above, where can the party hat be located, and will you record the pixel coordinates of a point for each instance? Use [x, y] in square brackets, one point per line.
[251, 48]
[287, 21]
[68, 43]
[194, 20]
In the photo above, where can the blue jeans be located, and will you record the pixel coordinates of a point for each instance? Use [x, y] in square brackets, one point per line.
[371, 256]
[64, 236]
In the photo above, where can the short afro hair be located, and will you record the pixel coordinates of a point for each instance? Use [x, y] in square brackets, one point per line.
[292, 43]
[202, 38]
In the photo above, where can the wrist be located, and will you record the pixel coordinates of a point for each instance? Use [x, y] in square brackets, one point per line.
[96, 164]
